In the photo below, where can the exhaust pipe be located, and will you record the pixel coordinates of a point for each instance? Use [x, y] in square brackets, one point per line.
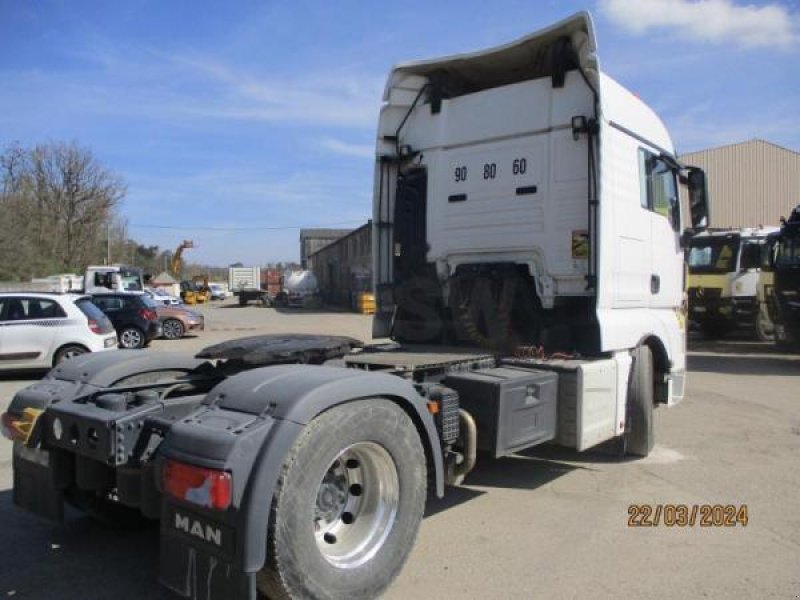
[468, 437]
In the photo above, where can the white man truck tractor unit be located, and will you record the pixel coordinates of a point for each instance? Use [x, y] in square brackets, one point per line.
[724, 269]
[529, 269]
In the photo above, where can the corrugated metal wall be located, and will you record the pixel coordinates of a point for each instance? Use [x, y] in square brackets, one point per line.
[752, 183]
[344, 267]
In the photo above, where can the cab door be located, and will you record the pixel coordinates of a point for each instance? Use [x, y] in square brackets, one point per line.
[660, 193]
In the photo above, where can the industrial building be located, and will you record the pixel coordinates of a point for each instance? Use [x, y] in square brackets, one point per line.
[750, 183]
[343, 268]
[312, 240]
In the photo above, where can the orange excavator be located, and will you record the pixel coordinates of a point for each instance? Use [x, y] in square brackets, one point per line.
[176, 264]
[189, 292]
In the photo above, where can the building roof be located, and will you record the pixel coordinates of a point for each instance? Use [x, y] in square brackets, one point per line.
[323, 233]
[742, 143]
[342, 238]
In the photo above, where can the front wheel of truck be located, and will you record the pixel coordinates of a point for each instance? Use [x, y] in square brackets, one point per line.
[348, 505]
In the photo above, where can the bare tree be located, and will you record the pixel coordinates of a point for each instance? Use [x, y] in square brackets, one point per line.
[57, 200]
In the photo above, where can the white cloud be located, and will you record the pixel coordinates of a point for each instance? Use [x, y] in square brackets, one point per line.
[339, 99]
[177, 88]
[347, 149]
[715, 21]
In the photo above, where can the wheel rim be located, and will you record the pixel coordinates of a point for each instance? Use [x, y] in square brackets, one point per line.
[172, 329]
[356, 505]
[131, 338]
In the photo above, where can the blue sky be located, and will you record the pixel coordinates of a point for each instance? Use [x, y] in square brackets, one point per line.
[227, 119]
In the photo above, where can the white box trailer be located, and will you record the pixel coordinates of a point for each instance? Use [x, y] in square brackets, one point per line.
[245, 284]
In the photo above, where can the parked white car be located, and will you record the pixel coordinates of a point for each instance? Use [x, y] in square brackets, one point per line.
[159, 296]
[39, 330]
[218, 291]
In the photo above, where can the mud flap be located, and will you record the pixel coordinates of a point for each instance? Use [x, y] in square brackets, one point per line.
[35, 484]
[193, 573]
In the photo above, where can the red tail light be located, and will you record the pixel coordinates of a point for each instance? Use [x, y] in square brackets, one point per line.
[148, 314]
[93, 325]
[205, 487]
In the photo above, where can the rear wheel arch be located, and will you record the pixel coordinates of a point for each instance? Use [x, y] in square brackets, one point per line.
[63, 349]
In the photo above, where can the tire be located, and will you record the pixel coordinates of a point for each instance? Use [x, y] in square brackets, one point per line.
[131, 338]
[328, 538]
[172, 329]
[639, 437]
[68, 352]
[242, 300]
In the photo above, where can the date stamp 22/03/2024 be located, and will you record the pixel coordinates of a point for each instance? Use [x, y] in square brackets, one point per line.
[687, 515]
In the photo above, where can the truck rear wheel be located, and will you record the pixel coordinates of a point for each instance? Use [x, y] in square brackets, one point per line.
[639, 437]
[348, 505]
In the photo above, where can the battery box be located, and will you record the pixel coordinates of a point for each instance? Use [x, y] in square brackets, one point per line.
[514, 408]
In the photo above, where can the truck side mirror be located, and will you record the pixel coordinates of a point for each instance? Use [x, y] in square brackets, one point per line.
[698, 198]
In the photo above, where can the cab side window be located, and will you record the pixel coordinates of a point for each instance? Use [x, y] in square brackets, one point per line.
[659, 187]
[751, 256]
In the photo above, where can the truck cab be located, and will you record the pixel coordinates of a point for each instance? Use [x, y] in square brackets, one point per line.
[780, 281]
[117, 278]
[724, 269]
[523, 198]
